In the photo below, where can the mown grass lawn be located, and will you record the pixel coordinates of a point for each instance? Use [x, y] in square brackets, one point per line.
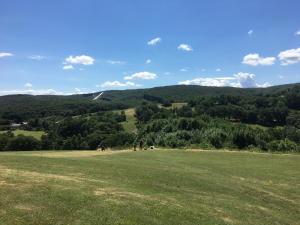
[129, 125]
[149, 187]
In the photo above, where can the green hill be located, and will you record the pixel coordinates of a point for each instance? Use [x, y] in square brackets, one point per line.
[28, 106]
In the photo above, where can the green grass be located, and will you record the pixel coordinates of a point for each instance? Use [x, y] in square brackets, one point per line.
[149, 187]
[129, 124]
[175, 105]
[35, 134]
[178, 105]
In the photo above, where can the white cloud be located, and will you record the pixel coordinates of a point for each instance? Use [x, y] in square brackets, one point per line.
[297, 33]
[154, 41]
[184, 69]
[81, 59]
[78, 91]
[265, 85]
[28, 85]
[115, 62]
[255, 60]
[185, 47]
[5, 54]
[207, 81]
[68, 67]
[288, 57]
[245, 80]
[148, 61]
[250, 32]
[33, 92]
[142, 76]
[242, 80]
[117, 84]
[218, 70]
[36, 57]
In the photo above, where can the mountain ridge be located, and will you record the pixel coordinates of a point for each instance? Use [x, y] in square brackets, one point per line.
[28, 106]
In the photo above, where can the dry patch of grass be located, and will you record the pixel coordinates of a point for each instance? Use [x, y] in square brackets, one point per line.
[38, 177]
[119, 193]
[25, 207]
[7, 172]
[220, 213]
[70, 154]
[115, 194]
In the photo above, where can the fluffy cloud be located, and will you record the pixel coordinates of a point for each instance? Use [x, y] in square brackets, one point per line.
[250, 32]
[207, 81]
[36, 57]
[154, 41]
[242, 80]
[185, 47]
[288, 57]
[218, 70]
[117, 84]
[141, 76]
[297, 33]
[148, 61]
[115, 62]
[5, 54]
[68, 67]
[28, 85]
[245, 80]
[255, 60]
[81, 59]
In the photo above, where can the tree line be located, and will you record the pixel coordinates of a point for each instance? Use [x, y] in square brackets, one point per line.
[263, 121]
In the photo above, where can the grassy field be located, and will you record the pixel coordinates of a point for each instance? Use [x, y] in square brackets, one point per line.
[149, 187]
[129, 124]
[35, 134]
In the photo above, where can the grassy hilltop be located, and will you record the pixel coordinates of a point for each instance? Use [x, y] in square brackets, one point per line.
[157, 187]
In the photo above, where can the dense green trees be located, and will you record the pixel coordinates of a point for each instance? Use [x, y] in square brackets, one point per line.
[18, 143]
[187, 127]
[75, 133]
[265, 119]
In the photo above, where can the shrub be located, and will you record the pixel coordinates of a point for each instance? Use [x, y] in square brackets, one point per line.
[172, 141]
[243, 137]
[23, 143]
[215, 136]
[283, 146]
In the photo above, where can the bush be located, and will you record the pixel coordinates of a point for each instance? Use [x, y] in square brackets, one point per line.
[283, 146]
[23, 143]
[243, 136]
[120, 139]
[215, 136]
[171, 140]
[4, 139]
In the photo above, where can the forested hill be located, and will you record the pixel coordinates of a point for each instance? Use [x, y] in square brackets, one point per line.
[28, 106]
[184, 93]
[267, 119]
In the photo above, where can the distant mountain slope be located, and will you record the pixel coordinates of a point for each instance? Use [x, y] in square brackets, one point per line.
[27, 106]
[183, 93]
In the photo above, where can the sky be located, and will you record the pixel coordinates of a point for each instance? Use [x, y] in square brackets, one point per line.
[81, 46]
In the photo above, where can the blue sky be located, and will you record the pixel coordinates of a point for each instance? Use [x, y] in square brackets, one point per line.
[63, 47]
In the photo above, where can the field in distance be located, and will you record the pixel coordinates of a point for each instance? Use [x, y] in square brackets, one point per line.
[149, 187]
[35, 134]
